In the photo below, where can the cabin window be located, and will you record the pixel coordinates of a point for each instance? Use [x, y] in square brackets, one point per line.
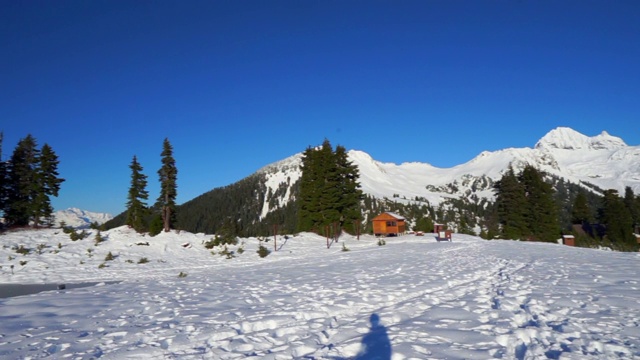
[391, 223]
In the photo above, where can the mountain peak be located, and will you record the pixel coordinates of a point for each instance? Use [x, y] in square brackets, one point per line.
[606, 141]
[569, 139]
[79, 218]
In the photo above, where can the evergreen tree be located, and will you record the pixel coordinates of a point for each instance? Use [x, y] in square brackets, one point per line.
[581, 213]
[350, 195]
[136, 205]
[542, 214]
[168, 174]
[22, 186]
[48, 185]
[630, 203]
[424, 224]
[511, 206]
[617, 220]
[3, 178]
[329, 189]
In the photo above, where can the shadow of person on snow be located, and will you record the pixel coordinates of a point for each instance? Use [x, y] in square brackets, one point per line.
[375, 344]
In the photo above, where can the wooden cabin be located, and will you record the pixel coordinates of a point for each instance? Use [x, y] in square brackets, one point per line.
[388, 224]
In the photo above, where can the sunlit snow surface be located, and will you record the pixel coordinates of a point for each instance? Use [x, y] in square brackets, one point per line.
[466, 299]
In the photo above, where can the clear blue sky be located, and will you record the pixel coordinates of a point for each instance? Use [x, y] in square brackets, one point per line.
[236, 85]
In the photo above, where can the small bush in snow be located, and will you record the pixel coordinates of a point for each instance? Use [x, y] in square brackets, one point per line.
[74, 235]
[23, 262]
[143, 260]
[263, 251]
[381, 242]
[182, 275]
[22, 250]
[240, 250]
[227, 253]
[59, 245]
[109, 257]
[41, 247]
[102, 266]
[90, 252]
[209, 244]
[129, 261]
[98, 238]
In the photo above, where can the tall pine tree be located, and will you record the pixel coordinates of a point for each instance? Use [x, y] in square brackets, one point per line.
[22, 186]
[618, 222]
[329, 189]
[3, 178]
[168, 174]
[351, 195]
[136, 205]
[48, 185]
[542, 213]
[511, 206]
[580, 212]
[631, 204]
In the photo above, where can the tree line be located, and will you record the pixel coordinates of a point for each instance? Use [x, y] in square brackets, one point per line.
[27, 181]
[528, 207]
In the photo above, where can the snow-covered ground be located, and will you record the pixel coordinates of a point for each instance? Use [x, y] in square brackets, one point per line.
[466, 299]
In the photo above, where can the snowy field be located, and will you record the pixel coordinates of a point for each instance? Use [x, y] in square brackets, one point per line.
[468, 299]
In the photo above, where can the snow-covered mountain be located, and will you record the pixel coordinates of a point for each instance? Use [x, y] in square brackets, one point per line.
[604, 160]
[80, 218]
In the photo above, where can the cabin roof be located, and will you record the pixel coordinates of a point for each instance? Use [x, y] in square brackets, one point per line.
[387, 214]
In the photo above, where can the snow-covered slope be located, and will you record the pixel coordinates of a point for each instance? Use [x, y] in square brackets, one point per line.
[465, 299]
[80, 218]
[603, 160]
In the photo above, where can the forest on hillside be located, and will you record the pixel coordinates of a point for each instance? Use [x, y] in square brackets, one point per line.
[529, 205]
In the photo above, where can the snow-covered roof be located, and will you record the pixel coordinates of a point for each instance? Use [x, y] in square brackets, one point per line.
[395, 215]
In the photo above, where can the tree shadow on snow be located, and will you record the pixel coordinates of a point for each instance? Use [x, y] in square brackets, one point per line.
[283, 243]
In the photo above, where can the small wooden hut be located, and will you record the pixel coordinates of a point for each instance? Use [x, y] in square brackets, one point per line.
[569, 240]
[388, 224]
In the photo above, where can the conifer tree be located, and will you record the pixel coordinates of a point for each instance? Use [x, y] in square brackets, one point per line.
[168, 174]
[3, 177]
[542, 214]
[329, 186]
[308, 206]
[48, 185]
[511, 206]
[136, 205]
[22, 185]
[581, 213]
[630, 203]
[617, 220]
[329, 189]
[350, 193]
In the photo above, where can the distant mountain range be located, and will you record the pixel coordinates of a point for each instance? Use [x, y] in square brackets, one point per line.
[599, 162]
[267, 197]
[80, 218]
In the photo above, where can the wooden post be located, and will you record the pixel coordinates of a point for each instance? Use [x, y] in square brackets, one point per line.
[326, 232]
[275, 237]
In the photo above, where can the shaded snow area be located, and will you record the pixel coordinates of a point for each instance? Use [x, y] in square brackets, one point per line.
[413, 298]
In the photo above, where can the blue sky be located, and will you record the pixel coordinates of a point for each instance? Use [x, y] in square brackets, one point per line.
[236, 85]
